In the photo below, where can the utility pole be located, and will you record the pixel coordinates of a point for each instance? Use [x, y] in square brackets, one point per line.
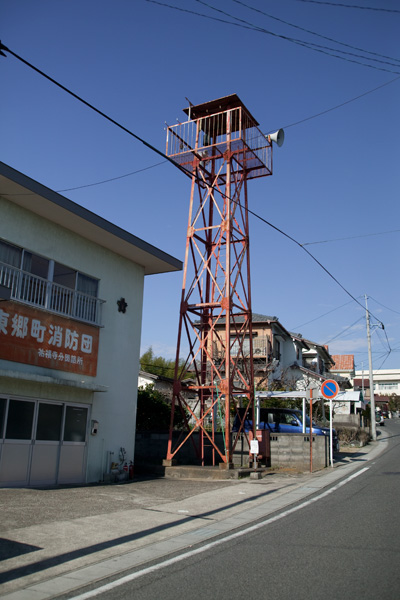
[371, 377]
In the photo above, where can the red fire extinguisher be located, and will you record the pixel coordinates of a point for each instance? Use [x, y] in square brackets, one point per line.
[125, 467]
[131, 470]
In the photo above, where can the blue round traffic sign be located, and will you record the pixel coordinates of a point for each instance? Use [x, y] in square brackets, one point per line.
[329, 389]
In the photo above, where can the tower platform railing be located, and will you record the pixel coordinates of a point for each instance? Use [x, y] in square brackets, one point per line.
[209, 138]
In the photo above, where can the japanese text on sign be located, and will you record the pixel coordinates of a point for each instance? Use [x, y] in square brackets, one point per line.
[28, 335]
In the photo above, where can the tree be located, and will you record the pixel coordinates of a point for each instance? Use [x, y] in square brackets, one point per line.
[157, 365]
[154, 411]
[394, 403]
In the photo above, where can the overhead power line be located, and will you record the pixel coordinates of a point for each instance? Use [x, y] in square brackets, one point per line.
[320, 316]
[324, 37]
[391, 309]
[79, 187]
[4, 48]
[384, 360]
[310, 45]
[383, 341]
[343, 331]
[285, 127]
[352, 237]
[340, 5]
[324, 112]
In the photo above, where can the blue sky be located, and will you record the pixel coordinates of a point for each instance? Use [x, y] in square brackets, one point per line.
[335, 178]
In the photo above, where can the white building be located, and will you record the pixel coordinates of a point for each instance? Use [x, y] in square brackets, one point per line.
[71, 293]
[386, 381]
[386, 384]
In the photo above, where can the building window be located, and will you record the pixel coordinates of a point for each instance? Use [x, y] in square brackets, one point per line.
[36, 265]
[20, 420]
[47, 269]
[3, 403]
[277, 349]
[235, 346]
[386, 386]
[64, 276]
[10, 255]
[49, 422]
[87, 285]
[75, 424]
[29, 276]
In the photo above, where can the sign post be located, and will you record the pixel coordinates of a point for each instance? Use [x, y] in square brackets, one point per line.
[312, 392]
[254, 450]
[329, 390]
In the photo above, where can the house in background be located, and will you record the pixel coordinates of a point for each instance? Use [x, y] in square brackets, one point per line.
[275, 350]
[281, 358]
[70, 325]
[165, 386]
[161, 384]
[349, 404]
[343, 366]
[386, 383]
[314, 366]
[317, 359]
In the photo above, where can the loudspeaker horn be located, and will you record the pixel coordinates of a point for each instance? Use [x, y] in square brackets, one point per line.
[278, 137]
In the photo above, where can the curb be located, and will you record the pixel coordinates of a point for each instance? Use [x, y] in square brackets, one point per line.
[76, 578]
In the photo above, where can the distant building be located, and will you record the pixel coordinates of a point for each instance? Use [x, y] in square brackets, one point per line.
[281, 358]
[71, 294]
[386, 383]
[343, 365]
[161, 384]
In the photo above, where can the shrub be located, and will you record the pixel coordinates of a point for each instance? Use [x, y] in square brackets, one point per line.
[154, 411]
[352, 435]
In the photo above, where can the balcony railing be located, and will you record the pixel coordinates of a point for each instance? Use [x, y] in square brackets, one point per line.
[36, 291]
[261, 348]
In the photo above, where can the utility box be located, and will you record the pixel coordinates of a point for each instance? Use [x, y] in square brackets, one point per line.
[264, 456]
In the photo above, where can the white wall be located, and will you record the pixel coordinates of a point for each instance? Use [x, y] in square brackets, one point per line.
[119, 346]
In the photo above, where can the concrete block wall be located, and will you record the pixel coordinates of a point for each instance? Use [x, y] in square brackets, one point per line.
[349, 420]
[292, 450]
[288, 450]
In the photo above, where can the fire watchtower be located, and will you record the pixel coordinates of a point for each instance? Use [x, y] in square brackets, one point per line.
[213, 129]
[221, 148]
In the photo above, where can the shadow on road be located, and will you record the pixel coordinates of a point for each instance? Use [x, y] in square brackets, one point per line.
[68, 556]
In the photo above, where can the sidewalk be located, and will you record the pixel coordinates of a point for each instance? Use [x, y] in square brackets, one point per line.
[57, 540]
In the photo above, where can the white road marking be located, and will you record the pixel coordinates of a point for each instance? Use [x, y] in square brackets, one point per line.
[167, 563]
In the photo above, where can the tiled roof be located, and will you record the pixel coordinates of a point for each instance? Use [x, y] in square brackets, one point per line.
[343, 362]
[256, 318]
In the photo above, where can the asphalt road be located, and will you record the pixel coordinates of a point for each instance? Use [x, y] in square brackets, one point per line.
[341, 543]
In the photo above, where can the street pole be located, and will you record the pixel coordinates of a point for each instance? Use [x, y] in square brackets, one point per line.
[371, 377]
[311, 431]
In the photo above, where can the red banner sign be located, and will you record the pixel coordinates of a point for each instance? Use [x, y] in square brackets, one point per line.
[39, 338]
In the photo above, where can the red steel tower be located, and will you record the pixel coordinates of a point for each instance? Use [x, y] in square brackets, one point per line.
[221, 148]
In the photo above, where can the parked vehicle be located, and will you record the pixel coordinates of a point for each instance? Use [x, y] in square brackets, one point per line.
[285, 420]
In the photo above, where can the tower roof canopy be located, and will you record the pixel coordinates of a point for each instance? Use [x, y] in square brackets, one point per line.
[215, 106]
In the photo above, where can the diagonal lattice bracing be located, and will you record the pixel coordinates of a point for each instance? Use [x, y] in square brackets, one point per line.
[221, 147]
